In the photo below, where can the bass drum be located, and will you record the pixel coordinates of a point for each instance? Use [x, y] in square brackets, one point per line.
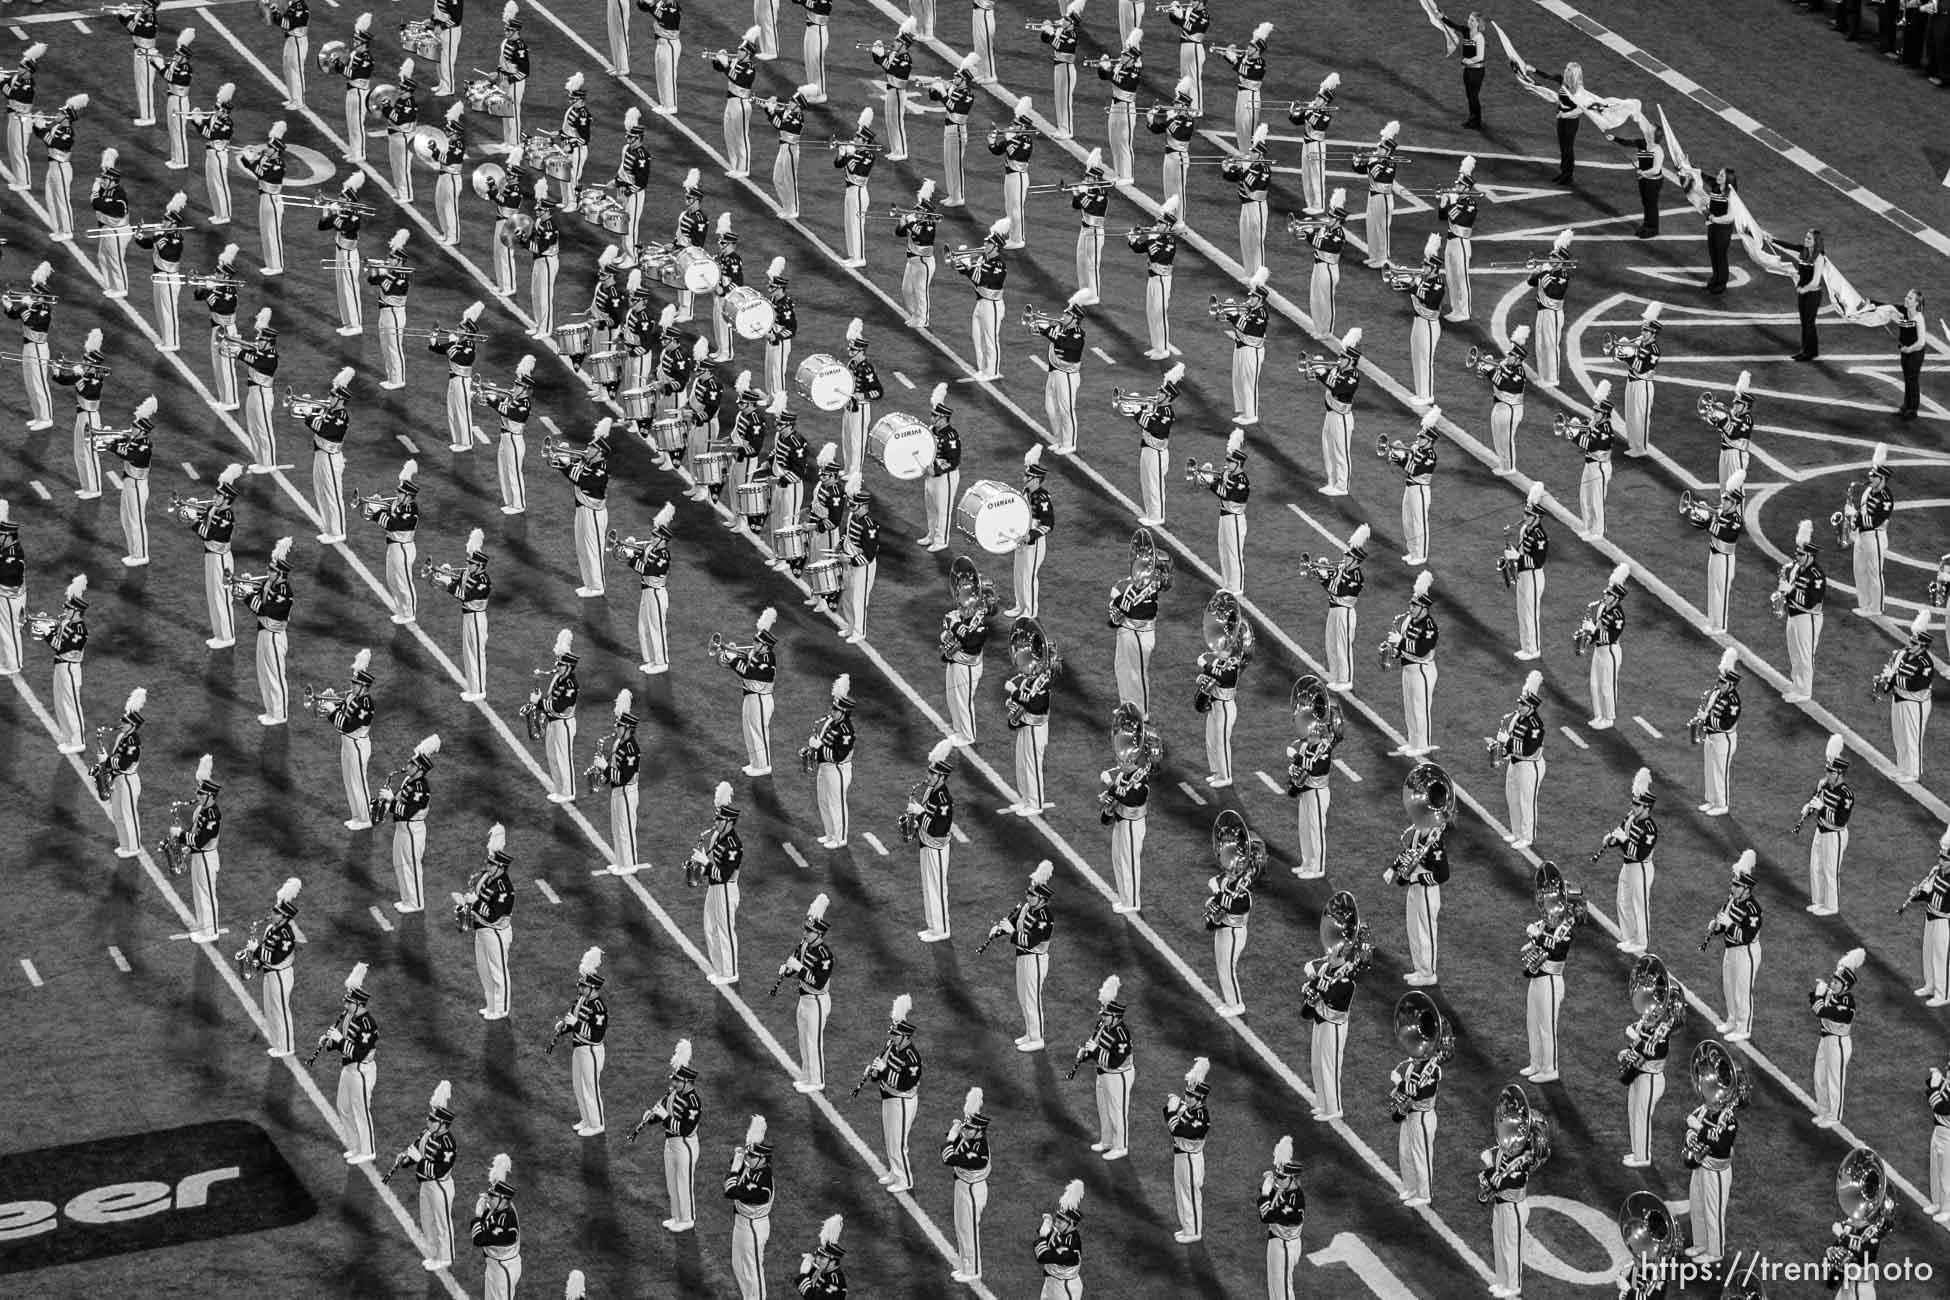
[692, 269]
[824, 382]
[995, 515]
[749, 312]
[902, 444]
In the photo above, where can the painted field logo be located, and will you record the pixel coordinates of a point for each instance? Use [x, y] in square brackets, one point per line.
[68, 1204]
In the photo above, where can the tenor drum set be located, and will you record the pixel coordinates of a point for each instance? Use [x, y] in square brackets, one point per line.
[639, 404]
[995, 515]
[711, 467]
[667, 432]
[748, 311]
[420, 38]
[753, 500]
[600, 207]
[902, 444]
[572, 338]
[824, 382]
[545, 150]
[488, 94]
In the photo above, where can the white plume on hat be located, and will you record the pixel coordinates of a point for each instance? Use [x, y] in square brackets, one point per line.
[497, 839]
[972, 1103]
[1642, 781]
[261, 321]
[1533, 683]
[1072, 1196]
[343, 379]
[509, 10]
[277, 130]
[816, 910]
[205, 766]
[632, 119]
[1176, 374]
[1201, 1067]
[1235, 442]
[855, 330]
[1358, 538]
[353, 183]
[969, 63]
[1423, 581]
[138, 699]
[1432, 248]
[939, 397]
[1338, 199]
[1043, 872]
[1282, 1152]
[856, 483]
[455, 111]
[777, 268]
[1603, 394]
[574, 83]
[1033, 457]
[1741, 384]
[410, 471]
[1562, 243]
[177, 202]
[443, 1093]
[1169, 207]
[1879, 458]
[1261, 32]
[1023, 106]
[1260, 133]
[680, 1055]
[1351, 340]
[592, 961]
[1619, 574]
[1804, 532]
[1651, 312]
[1852, 960]
[398, 240]
[665, 513]
[1730, 660]
[1184, 87]
[1001, 228]
[1467, 167]
[941, 751]
[473, 312]
[577, 1289]
[724, 223]
[1834, 748]
[1920, 624]
[93, 343]
[34, 53]
[926, 192]
[1520, 336]
[1534, 495]
[902, 1006]
[77, 587]
[1391, 130]
[829, 455]
[1430, 418]
[281, 551]
[231, 251]
[356, 979]
[1109, 989]
[691, 178]
[428, 746]
[288, 891]
[668, 316]
[829, 1231]
[502, 1165]
[721, 797]
[1094, 160]
[362, 661]
[406, 70]
[701, 349]
[1258, 279]
[75, 103]
[563, 640]
[1737, 481]
[755, 1131]
[231, 473]
[842, 686]
[1744, 864]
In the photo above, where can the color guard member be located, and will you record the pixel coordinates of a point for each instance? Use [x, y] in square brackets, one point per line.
[135, 450]
[1188, 1122]
[432, 1157]
[1059, 1247]
[399, 516]
[1596, 440]
[896, 64]
[931, 812]
[896, 1073]
[740, 69]
[679, 1113]
[390, 278]
[1910, 676]
[1060, 34]
[1635, 838]
[810, 966]
[56, 131]
[830, 753]
[1933, 890]
[1724, 526]
[355, 1035]
[1379, 165]
[1283, 1209]
[260, 358]
[274, 952]
[1869, 516]
[488, 909]
[966, 1151]
[716, 861]
[586, 1024]
[1109, 1052]
[1125, 73]
[67, 636]
[121, 760]
[407, 804]
[1552, 281]
[618, 767]
[111, 204]
[1737, 925]
[749, 1189]
[1507, 386]
[401, 115]
[1716, 728]
[1527, 556]
[1249, 63]
[1640, 356]
[1426, 290]
[1649, 168]
[139, 21]
[497, 1232]
[351, 716]
[1091, 199]
[861, 549]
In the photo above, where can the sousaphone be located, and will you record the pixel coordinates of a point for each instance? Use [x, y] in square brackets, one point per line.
[1226, 631]
[1555, 896]
[1030, 649]
[1519, 1128]
[1646, 1227]
[1651, 985]
[1316, 713]
[1421, 1028]
[1862, 1188]
[968, 589]
[1717, 1077]
[1134, 741]
[1237, 850]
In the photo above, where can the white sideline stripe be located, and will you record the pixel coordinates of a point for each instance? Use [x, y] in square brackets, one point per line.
[1270, 783]
[121, 962]
[33, 976]
[379, 916]
[1191, 793]
[1650, 730]
[1574, 738]
[873, 842]
[1747, 125]
[1340, 765]
[548, 892]
[1485, 456]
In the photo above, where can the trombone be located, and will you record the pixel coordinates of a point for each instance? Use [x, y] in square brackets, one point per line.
[14, 297]
[1533, 263]
[1070, 187]
[141, 228]
[847, 142]
[441, 331]
[328, 205]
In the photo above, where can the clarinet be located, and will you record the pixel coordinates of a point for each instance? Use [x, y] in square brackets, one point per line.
[1084, 1053]
[564, 1025]
[866, 1076]
[999, 929]
[782, 971]
[652, 1116]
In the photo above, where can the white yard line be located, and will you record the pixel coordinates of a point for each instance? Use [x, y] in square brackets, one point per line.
[121, 962]
[1191, 792]
[1102, 355]
[1340, 765]
[1650, 730]
[798, 859]
[1270, 783]
[385, 922]
[1574, 738]
[548, 892]
[40, 490]
[873, 842]
[903, 380]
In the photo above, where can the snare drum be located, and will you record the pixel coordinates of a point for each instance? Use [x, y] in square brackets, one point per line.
[749, 312]
[548, 153]
[638, 403]
[420, 39]
[692, 269]
[710, 467]
[995, 515]
[824, 382]
[826, 577]
[792, 541]
[573, 338]
[670, 431]
[902, 444]
[605, 367]
[752, 499]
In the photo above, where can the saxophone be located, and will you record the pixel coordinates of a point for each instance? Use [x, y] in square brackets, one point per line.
[1696, 725]
[816, 743]
[1883, 684]
[175, 843]
[598, 769]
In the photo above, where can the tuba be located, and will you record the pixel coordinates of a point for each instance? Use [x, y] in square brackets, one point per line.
[1241, 857]
[1150, 575]
[1560, 907]
[1138, 749]
[1718, 1078]
[1645, 1226]
[1868, 1211]
[1319, 724]
[1037, 662]
[1228, 646]
[1429, 797]
[1660, 1003]
[1519, 1131]
[1348, 951]
[1426, 1035]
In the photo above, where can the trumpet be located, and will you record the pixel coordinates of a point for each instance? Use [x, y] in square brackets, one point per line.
[117, 11]
[847, 142]
[369, 505]
[1203, 475]
[301, 405]
[444, 574]
[174, 846]
[1399, 281]
[1384, 449]
[40, 625]
[1318, 566]
[1480, 362]
[483, 393]
[962, 258]
[108, 438]
[319, 704]
[1035, 319]
[1229, 308]
[1568, 426]
[247, 586]
[724, 651]
[626, 549]
[1299, 226]
[1135, 405]
[189, 510]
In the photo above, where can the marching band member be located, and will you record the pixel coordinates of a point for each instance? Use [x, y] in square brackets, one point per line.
[1799, 598]
[1124, 73]
[650, 561]
[820, 1274]
[785, 326]
[1417, 462]
[13, 593]
[401, 115]
[1339, 383]
[408, 805]
[213, 525]
[1411, 1103]
[586, 1024]
[819, 13]
[164, 241]
[679, 1113]
[1025, 697]
[543, 242]
[268, 166]
[588, 474]
[941, 484]
[756, 667]
[1123, 806]
[399, 516]
[1159, 245]
[618, 762]
[512, 406]
[1065, 364]
[1252, 172]
[1724, 527]
[1426, 290]
[1710, 1133]
[1154, 418]
[931, 814]
[1379, 165]
[1232, 487]
[1060, 34]
[1326, 996]
[609, 305]
[355, 1036]
[1188, 1122]
[447, 158]
[1833, 1002]
[446, 19]
[390, 277]
[1547, 947]
[1109, 1051]
[1640, 356]
[1521, 746]
[1034, 547]
[616, 15]
[1315, 118]
[18, 84]
[111, 204]
[511, 73]
[731, 275]
[470, 587]
[1030, 928]
[632, 176]
[328, 422]
[987, 270]
[217, 126]
[1933, 890]
[862, 550]
[175, 73]
[357, 73]
[1596, 439]
[269, 599]
[1908, 679]
[690, 231]
[1734, 423]
[791, 464]
[1246, 327]
[1249, 62]
[557, 704]
[1413, 642]
[67, 636]
[1134, 613]
[1177, 123]
[981, 38]
[351, 714]
[1938, 1095]
[788, 117]
[1059, 1246]
[1643, 1067]
[740, 70]
[87, 377]
[1326, 238]
[459, 345]
[1869, 516]
[260, 358]
[1505, 1183]
[867, 389]
[487, 908]
[896, 63]
[1716, 728]
[56, 132]
[896, 1073]
[343, 219]
[1527, 557]
[830, 754]
[1456, 208]
[1552, 281]
[497, 1232]
[810, 966]
[1228, 905]
[1737, 925]
[1193, 19]
[966, 1151]
[139, 21]
[573, 137]
[1091, 199]
[956, 96]
[716, 860]
[432, 1156]
[293, 17]
[1635, 838]
[1342, 582]
[1507, 386]
[1310, 762]
[749, 1189]
[121, 760]
[1015, 144]
[1282, 1204]
[274, 952]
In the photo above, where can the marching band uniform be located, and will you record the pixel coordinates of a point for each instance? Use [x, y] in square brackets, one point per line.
[587, 1024]
[447, 159]
[1636, 837]
[270, 601]
[1938, 1096]
[68, 639]
[1801, 595]
[1188, 1122]
[756, 667]
[458, 345]
[679, 1112]
[471, 588]
[617, 21]
[1641, 358]
[1425, 296]
[275, 953]
[1737, 924]
[18, 85]
[862, 550]
[390, 277]
[788, 117]
[1177, 123]
[294, 18]
[260, 358]
[1253, 175]
[619, 774]
[1015, 144]
[632, 175]
[327, 421]
[1717, 728]
[1412, 1105]
[1032, 549]
[1507, 386]
[356, 1037]
[1282, 1204]
[1154, 417]
[791, 466]
[268, 166]
[1833, 1002]
[588, 475]
[399, 516]
[1246, 327]
[56, 133]
[749, 1189]
[1249, 63]
[1310, 763]
[690, 231]
[1159, 245]
[432, 1157]
[121, 761]
[831, 754]
[1649, 1042]
[1232, 487]
[1544, 996]
[351, 714]
[1724, 527]
[175, 73]
[1911, 677]
[1934, 892]
[1030, 929]
[1507, 1179]
[512, 406]
[785, 326]
[981, 37]
[357, 74]
[819, 13]
[408, 808]
[1326, 997]
[139, 21]
[34, 310]
[1338, 383]
[740, 70]
[446, 19]
[218, 128]
[111, 204]
[1060, 35]
[497, 1232]
[1315, 118]
[723, 854]
[1872, 511]
[1059, 1247]
[1380, 164]
[1065, 364]
[966, 1151]
[941, 488]
[650, 561]
[896, 64]
[1709, 1154]
[1456, 209]
[1219, 702]
[1227, 910]
[1129, 794]
[1523, 775]
[810, 966]
[557, 706]
[896, 1072]
[1109, 1052]
[1091, 199]
[1596, 439]
[956, 96]
[1193, 20]
[1124, 73]
[511, 74]
[1415, 641]
[401, 115]
[1552, 281]
[987, 271]
[1136, 620]
[1327, 241]
[489, 910]
[933, 817]
[13, 593]
[87, 378]
[342, 218]
[1528, 555]
[573, 136]
[543, 243]
[1417, 463]
[867, 389]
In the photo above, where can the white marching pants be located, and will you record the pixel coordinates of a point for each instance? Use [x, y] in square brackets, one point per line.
[491, 947]
[1341, 623]
[721, 929]
[1738, 968]
[1832, 1054]
[1424, 908]
[1542, 1001]
[1635, 903]
[1641, 1100]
